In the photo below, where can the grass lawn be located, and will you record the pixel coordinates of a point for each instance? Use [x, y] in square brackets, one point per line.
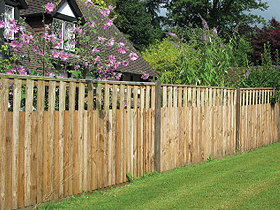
[244, 181]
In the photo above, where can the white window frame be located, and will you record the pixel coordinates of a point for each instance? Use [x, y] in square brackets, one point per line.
[62, 46]
[7, 29]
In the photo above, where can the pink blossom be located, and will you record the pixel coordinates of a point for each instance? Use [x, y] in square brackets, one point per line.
[21, 71]
[99, 70]
[145, 76]
[12, 22]
[105, 12]
[34, 47]
[64, 55]
[101, 40]
[116, 65]
[215, 32]
[118, 77]
[14, 29]
[57, 46]
[204, 23]
[41, 53]
[108, 23]
[25, 39]
[50, 74]
[172, 34]
[122, 49]
[11, 71]
[91, 23]
[76, 67]
[2, 24]
[125, 63]
[21, 29]
[47, 27]
[73, 42]
[19, 46]
[203, 37]
[30, 37]
[88, 2]
[94, 50]
[111, 8]
[55, 54]
[52, 38]
[133, 56]
[111, 42]
[175, 44]
[96, 60]
[13, 44]
[49, 7]
[60, 34]
[121, 44]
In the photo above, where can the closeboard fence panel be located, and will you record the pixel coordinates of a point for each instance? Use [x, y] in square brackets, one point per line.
[60, 137]
[259, 123]
[196, 123]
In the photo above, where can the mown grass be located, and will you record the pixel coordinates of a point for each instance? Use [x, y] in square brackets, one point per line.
[244, 181]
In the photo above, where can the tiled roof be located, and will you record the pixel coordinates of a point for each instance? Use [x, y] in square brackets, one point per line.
[35, 6]
[136, 67]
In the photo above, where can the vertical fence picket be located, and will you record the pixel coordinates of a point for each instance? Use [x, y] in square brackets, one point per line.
[15, 140]
[114, 110]
[51, 109]
[4, 91]
[82, 158]
[72, 91]
[106, 134]
[121, 134]
[129, 132]
[40, 114]
[62, 95]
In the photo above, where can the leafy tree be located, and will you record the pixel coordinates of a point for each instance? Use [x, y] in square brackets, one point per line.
[224, 14]
[153, 8]
[268, 34]
[134, 21]
[162, 57]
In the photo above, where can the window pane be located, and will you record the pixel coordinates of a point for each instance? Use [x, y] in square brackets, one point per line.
[58, 29]
[68, 35]
[9, 15]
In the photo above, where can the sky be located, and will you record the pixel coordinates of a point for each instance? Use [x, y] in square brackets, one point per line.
[272, 11]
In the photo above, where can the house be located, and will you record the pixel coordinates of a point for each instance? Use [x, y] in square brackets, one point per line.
[11, 8]
[65, 15]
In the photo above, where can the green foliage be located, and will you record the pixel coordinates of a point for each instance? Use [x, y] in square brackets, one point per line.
[129, 176]
[133, 20]
[148, 174]
[204, 59]
[162, 57]
[209, 159]
[223, 14]
[8, 59]
[266, 75]
[261, 36]
[243, 181]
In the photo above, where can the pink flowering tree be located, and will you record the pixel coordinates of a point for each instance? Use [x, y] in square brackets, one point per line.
[55, 54]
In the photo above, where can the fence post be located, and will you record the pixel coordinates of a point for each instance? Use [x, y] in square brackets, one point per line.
[238, 119]
[158, 127]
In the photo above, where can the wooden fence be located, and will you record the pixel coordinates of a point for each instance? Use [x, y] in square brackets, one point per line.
[63, 137]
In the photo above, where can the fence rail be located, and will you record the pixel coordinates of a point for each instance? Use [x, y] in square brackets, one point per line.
[63, 137]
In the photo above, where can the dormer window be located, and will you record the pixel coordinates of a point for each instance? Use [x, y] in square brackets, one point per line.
[9, 15]
[63, 23]
[63, 30]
